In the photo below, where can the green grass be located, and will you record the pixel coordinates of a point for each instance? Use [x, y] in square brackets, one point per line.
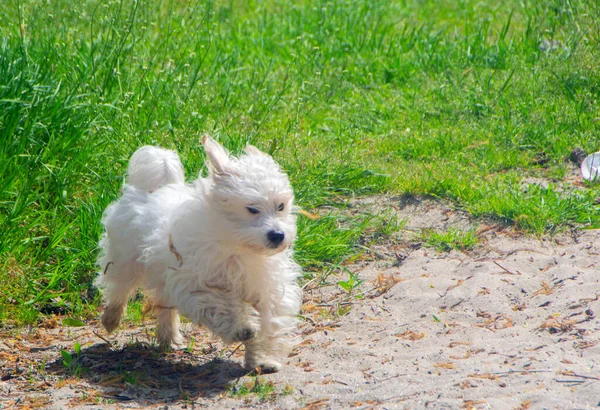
[460, 100]
[451, 239]
[257, 386]
[326, 241]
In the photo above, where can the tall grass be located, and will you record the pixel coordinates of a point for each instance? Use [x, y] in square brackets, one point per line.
[452, 99]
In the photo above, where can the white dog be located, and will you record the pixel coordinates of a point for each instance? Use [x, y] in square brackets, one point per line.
[217, 250]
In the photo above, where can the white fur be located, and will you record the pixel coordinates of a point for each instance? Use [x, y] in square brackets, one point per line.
[198, 250]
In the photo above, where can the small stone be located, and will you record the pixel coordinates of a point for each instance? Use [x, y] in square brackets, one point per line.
[577, 156]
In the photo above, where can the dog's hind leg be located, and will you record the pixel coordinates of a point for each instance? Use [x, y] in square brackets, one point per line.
[118, 282]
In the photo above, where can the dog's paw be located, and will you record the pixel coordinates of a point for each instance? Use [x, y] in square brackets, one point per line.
[178, 340]
[264, 366]
[112, 317]
[174, 342]
[170, 347]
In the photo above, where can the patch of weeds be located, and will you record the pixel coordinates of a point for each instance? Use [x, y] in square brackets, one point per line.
[391, 225]
[134, 378]
[264, 390]
[104, 401]
[41, 367]
[72, 361]
[539, 209]
[341, 309]
[89, 397]
[451, 239]
[330, 312]
[385, 226]
[190, 346]
[351, 285]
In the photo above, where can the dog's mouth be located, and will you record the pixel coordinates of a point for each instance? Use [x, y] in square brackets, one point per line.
[276, 248]
[271, 248]
[267, 248]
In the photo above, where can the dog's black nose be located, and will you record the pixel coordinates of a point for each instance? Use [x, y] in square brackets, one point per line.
[276, 237]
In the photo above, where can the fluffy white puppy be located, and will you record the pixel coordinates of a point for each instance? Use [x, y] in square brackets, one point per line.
[217, 251]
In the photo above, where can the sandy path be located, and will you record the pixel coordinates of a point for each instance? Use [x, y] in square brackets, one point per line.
[509, 325]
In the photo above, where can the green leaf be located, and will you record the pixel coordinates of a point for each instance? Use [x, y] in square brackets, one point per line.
[436, 318]
[345, 285]
[73, 322]
[68, 359]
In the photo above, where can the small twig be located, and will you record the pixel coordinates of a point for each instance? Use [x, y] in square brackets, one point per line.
[42, 349]
[458, 283]
[522, 371]
[390, 378]
[103, 338]
[456, 304]
[383, 308]
[312, 217]
[309, 320]
[337, 381]
[569, 381]
[309, 282]
[579, 375]
[106, 267]
[45, 381]
[235, 350]
[503, 268]
[504, 255]
[524, 250]
[336, 304]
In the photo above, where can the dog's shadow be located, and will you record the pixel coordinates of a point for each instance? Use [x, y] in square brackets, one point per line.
[144, 374]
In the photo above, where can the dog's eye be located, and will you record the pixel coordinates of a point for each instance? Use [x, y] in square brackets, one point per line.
[252, 210]
[280, 207]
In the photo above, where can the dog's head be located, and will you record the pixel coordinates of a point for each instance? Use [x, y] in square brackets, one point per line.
[254, 197]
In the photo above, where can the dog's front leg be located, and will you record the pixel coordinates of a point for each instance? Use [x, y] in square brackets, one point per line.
[232, 319]
[272, 341]
[259, 356]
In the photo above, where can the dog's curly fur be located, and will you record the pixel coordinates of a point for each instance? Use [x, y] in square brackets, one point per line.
[217, 250]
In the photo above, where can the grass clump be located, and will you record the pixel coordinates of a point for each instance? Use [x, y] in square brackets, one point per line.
[72, 362]
[452, 239]
[264, 390]
[327, 241]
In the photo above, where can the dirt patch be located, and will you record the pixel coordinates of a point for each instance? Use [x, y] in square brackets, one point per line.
[509, 324]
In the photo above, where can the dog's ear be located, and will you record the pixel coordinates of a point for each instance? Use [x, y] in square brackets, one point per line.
[252, 150]
[218, 157]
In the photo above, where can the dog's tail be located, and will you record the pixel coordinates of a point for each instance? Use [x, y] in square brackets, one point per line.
[153, 167]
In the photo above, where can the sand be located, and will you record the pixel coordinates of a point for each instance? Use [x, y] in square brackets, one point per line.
[510, 324]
